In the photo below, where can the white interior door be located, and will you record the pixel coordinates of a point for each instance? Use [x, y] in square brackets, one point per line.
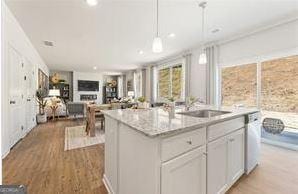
[29, 95]
[16, 96]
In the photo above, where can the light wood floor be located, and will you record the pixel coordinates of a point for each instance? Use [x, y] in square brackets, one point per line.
[40, 162]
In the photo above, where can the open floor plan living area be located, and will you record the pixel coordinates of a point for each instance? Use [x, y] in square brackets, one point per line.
[149, 97]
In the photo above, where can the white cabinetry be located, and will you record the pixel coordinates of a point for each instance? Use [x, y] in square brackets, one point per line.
[236, 156]
[185, 174]
[225, 162]
[179, 163]
[217, 166]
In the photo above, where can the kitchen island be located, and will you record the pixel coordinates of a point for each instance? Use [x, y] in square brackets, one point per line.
[199, 151]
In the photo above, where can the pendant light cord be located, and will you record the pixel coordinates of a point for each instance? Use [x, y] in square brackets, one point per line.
[203, 24]
[157, 18]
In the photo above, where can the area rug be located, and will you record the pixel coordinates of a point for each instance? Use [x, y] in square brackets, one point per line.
[75, 137]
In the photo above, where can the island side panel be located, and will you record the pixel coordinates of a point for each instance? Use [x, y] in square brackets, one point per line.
[111, 155]
[139, 162]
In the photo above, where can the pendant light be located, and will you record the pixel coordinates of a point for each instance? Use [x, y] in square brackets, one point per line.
[203, 56]
[157, 42]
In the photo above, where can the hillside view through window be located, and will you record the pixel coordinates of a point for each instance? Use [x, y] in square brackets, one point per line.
[279, 89]
[239, 85]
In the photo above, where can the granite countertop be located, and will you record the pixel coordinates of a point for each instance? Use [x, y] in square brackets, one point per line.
[155, 122]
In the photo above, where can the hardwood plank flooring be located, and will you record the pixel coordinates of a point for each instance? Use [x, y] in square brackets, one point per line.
[277, 173]
[40, 162]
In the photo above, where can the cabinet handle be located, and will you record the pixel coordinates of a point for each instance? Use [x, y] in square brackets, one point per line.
[12, 102]
[189, 142]
[231, 140]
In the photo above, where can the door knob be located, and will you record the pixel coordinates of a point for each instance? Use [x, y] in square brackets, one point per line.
[189, 142]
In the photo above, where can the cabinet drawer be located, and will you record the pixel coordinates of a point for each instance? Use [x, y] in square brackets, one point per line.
[176, 145]
[223, 128]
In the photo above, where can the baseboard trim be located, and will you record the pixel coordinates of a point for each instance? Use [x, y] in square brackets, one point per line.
[5, 153]
[11, 146]
[107, 184]
[280, 144]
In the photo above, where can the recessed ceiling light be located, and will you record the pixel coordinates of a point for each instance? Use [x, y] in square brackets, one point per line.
[141, 52]
[171, 35]
[94, 67]
[48, 43]
[215, 31]
[92, 2]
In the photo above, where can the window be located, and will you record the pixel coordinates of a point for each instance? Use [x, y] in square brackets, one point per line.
[239, 85]
[277, 89]
[280, 91]
[177, 82]
[280, 85]
[164, 83]
[170, 82]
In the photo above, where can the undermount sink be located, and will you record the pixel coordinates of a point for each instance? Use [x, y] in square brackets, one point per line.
[204, 113]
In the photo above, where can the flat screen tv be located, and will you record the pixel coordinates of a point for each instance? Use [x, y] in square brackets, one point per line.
[84, 85]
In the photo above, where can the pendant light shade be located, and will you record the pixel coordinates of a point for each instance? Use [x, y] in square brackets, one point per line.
[157, 45]
[157, 42]
[92, 2]
[203, 56]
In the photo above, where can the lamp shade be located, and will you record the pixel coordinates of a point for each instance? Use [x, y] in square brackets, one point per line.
[54, 92]
[130, 93]
[157, 45]
[202, 58]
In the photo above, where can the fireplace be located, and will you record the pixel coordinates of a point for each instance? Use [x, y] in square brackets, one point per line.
[88, 97]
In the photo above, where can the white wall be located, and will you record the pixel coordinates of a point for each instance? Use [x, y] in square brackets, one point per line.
[1, 93]
[273, 41]
[87, 76]
[14, 36]
[276, 41]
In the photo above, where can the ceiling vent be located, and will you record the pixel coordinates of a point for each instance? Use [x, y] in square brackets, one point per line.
[48, 43]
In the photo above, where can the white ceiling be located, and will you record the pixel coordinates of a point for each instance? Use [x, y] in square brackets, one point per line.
[110, 35]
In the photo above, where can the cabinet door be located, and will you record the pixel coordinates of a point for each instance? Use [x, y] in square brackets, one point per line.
[217, 166]
[236, 155]
[185, 174]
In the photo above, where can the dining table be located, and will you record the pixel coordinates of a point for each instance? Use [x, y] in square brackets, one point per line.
[93, 111]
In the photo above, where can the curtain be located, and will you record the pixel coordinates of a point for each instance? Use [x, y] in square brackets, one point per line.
[212, 75]
[143, 82]
[137, 77]
[187, 74]
[153, 82]
[124, 86]
[120, 86]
